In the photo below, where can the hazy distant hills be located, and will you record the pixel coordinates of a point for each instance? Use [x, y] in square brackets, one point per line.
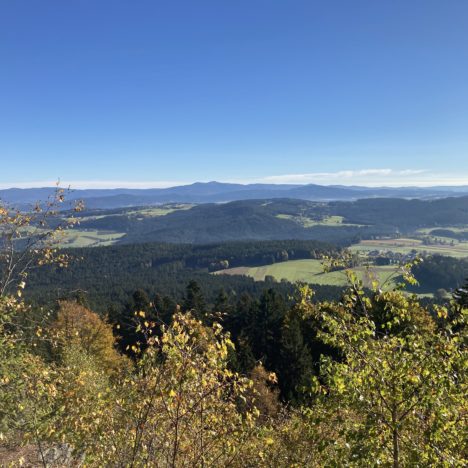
[216, 192]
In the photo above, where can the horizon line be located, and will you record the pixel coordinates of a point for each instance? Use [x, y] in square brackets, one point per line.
[156, 186]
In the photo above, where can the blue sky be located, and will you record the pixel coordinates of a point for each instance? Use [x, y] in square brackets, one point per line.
[147, 93]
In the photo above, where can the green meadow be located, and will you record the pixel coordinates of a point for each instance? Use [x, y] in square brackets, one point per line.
[74, 238]
[312, 271]
[307, 222]
[159, 210]
[78, 237]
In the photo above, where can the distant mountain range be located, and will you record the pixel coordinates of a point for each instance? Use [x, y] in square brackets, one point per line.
[217, 192]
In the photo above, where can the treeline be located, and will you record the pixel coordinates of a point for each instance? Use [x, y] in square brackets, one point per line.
[438, 271]
[264, 330]
[458, 235]
[373, 378]
[405, 214]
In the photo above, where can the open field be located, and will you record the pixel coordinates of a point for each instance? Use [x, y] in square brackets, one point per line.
[159, 210]
[79, 237]
[310, 271]
[309, 222]
[148, 212]
[406, 245]
[74, 238]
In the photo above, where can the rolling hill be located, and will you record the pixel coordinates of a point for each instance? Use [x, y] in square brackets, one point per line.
[340, 222]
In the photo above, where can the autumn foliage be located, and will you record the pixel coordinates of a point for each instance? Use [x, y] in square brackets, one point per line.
[77, 326]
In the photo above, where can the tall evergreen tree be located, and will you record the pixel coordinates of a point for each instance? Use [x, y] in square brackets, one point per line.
[164, 308]
[140, 301]
[194, 300]
[239, 316]
[245, 360]
[221, 303]
[265, 328]
[296, 365]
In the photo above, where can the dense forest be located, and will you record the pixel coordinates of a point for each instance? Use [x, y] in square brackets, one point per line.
[108, 276]
[405, 214]
[242, 220]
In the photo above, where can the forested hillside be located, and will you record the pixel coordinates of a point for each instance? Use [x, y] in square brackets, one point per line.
[340, 222]
[406, 214]
[232, 221]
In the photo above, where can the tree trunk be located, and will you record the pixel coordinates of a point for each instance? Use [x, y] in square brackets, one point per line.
[396, 444]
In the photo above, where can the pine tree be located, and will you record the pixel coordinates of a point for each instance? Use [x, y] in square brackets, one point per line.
[244, 360]
[221, 303]
[265, 328]
[141, 301]
[296, 365]
[194, 301]
[164, 308]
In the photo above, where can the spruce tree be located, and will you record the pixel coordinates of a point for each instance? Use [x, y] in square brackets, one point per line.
[221, 303]
[265, 328]
[194, 300]
[296, 365]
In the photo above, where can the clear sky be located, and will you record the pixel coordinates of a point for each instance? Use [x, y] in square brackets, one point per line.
[149, 92]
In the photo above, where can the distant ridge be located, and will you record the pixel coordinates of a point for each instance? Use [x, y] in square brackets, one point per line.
[219, 192]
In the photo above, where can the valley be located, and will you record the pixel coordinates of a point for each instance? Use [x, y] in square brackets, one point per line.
[381, 234]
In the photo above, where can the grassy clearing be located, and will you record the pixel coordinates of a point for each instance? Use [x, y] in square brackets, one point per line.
[406, 245]
[307, 222]
[74, 238]
[162, 210]
[87, 218]
[148, 212]
[311, 271]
